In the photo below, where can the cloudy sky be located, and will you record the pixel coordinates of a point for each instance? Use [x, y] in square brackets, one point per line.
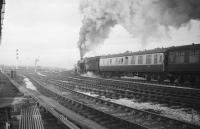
[49, 30]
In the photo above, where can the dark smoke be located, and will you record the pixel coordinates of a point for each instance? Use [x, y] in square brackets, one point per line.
[142, 18]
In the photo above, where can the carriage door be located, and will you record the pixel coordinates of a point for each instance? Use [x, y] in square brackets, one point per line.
[126, 60]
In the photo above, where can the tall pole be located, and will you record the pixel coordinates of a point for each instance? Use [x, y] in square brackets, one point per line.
[17, 58]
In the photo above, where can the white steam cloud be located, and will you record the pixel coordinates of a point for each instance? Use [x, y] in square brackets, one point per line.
[142, 18]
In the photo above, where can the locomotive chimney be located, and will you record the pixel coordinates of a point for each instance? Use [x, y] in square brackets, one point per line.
[81, 53]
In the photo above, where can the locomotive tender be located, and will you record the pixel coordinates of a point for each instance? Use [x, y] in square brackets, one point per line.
[180, 64]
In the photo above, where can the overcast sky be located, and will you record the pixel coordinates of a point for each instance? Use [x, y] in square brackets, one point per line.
[49, 29]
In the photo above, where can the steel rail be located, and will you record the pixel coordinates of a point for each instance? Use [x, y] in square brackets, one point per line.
[145, 113]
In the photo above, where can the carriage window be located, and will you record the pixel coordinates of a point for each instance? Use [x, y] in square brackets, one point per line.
[133, 60]
[194, 56]
[160, 59]
[140, 59]
[171, 57]
[113, 61]
[148, 59]
[102, 62]
[105, 63]
[110, 61]
[155, 59]
[116, 60]
[126, 60]
[180, 55]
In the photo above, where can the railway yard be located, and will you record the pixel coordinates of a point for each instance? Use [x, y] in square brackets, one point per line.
[96, 64]
[40, 99]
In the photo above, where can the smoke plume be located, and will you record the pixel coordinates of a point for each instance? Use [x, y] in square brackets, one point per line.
[141, 18]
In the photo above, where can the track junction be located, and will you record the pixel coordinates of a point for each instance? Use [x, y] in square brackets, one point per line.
[70, 93]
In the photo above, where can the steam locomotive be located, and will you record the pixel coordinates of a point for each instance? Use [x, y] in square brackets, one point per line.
[180, 64]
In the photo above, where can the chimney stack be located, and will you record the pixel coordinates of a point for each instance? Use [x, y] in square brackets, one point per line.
[81, 53]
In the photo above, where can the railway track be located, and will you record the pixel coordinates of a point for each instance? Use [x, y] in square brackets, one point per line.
[152, 82]
[105, 119]
[141, 93]
[165, 88]
[130, 85]
[114, 115]
[30, 117]
[142, 96]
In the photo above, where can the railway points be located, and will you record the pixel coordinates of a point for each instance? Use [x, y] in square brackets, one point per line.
[30, 117]
[167, 96]
[61, 113]
[54, 81]
[100, 92]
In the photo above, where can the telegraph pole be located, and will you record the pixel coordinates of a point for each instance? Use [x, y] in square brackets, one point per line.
[17, 58]
[14, 71]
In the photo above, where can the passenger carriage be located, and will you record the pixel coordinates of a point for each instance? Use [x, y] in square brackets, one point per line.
[180, 64]
[143, 63]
